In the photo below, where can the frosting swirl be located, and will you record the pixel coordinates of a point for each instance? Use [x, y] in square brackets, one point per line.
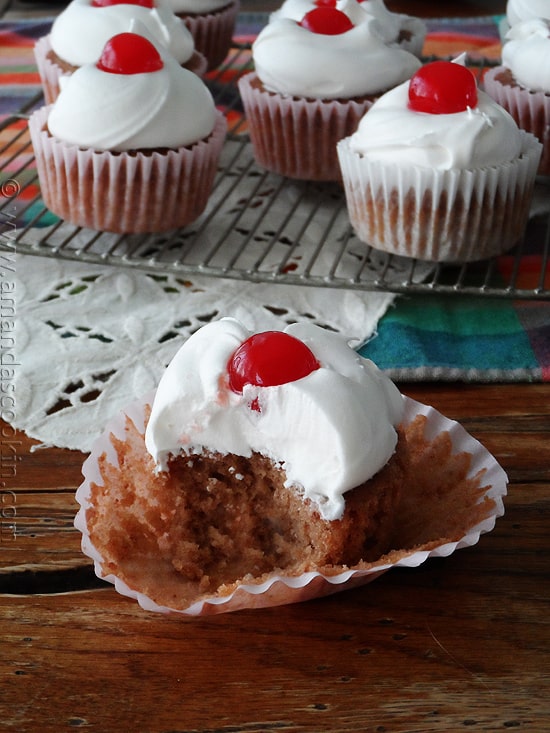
[330, 430]
[167, 108]
[292, 60]
[391, 132]
[80, 32]
[387, 25]
[527, 54]
[518, 10]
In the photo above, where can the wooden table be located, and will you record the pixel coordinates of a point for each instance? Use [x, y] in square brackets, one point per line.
[461, 643]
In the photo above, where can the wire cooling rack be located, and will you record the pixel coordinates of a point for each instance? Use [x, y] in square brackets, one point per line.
[263, 228]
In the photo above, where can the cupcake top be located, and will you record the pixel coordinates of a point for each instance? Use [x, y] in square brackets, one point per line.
[519, 10]
[198, 7]
[439, 120]
[325, 56]
[302, 398]
[136, 96]
[387, 25]
[527, 54]
[81, 31]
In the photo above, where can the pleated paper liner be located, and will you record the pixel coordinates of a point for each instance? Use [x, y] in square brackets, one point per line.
[454, 494]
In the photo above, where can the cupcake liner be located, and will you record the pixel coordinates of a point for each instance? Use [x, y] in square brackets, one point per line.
[431, 533]
[148, 192]
[530, 110]
[49, 71]
[441, 216]
[213, 32]
[296, 137]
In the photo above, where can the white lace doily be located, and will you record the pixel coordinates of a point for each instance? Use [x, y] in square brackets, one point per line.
[90, 338]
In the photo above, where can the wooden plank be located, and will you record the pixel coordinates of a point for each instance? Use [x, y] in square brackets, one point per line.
[459, 643]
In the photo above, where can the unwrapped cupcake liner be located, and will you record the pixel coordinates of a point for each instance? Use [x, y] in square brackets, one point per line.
[213, 32]
[49, 71]
[297, 137]
[441, 216]
[279, 589]
[126, 193]
[530, 110]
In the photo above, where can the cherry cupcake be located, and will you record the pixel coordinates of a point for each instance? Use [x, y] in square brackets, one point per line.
[81, 30]
[274, 467]
[438, 171]
[399, 29]
[313, 81]
[212, 23]
[521, 84]
[131, 143]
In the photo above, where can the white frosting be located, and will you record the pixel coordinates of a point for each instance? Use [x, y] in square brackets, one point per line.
[294, 61]
[198, 7]
[330, 431]
[168, 108]
[527, 54]
[519, 10]
[386, 25]
[81, 31]
[391, 132]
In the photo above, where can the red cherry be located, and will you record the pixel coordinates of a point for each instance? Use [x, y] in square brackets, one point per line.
[327, 21]
[269, 359]
[106, 3]
[442, 87]
[128, 53]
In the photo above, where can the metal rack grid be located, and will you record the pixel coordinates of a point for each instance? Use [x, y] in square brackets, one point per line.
[264, 228]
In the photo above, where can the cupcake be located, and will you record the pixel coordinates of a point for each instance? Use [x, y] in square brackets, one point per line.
[313, 81]
[270, 468]
[521, 84]
[519, 10]
[403, 30]
[131, 144]
[81, 30]
[212, 23]
[438, 171]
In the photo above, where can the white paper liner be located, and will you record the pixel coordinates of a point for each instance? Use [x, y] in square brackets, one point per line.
[213, 32]
[49, 72]
[152, 192]
[440, 216]
[280, 589]
[297, 137]
[530, 110]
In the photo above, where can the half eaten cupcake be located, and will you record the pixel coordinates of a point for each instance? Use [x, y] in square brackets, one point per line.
[282, 454]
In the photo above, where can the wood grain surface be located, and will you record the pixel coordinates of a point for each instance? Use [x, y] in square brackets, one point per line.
[460, 643]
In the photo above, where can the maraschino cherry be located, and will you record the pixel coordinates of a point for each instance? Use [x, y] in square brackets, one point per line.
[269, 359]
[442, 87]
[129, 53]
[326, 20]
[106, 3]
